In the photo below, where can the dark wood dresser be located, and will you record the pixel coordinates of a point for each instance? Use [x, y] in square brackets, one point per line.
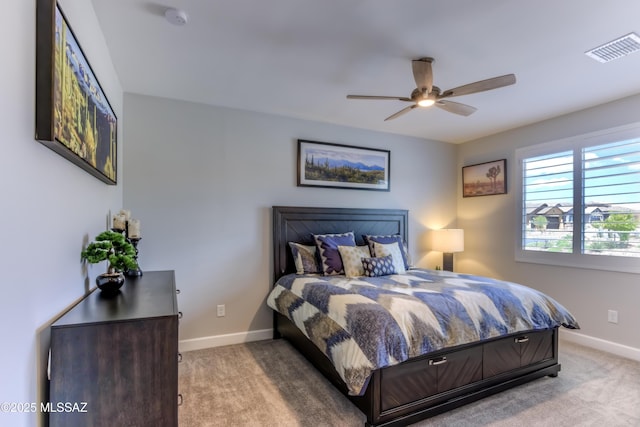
[119, 355]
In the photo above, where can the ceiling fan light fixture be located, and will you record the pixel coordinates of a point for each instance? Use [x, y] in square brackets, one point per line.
[426, 102]
[427, 94]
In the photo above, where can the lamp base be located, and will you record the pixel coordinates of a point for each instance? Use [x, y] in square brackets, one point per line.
[447, 261]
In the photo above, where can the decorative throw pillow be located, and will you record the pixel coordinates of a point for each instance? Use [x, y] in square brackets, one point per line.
[374, 267]
[393, 250]
[352, 259]
[388, 238]
[304, 258]
[327, 244]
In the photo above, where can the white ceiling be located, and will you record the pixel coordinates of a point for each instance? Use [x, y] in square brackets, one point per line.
[300, 58]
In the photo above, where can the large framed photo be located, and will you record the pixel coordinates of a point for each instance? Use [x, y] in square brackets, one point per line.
[73, 116]
[322, 164]
[485, 179]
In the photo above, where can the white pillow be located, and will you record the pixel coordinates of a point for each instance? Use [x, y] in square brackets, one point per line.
[392, 249]
[352, 259]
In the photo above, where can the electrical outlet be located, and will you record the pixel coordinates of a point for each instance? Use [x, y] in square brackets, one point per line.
[221, 310]
[612, 316]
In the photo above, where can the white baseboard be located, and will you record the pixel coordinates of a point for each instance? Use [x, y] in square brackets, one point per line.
[600, 344]
[228, 339]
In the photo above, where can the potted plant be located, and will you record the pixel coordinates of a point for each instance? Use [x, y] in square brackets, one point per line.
[112, 247]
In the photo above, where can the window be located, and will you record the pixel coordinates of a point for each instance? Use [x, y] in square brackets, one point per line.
[580, 201]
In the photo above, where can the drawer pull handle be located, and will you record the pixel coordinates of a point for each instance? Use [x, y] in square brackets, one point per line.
[179, 315]
[177, 291]
[179, 357]
[520, 340]
[180, 399]
[438, 361]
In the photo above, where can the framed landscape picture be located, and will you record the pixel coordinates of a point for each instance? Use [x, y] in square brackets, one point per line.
[73, 116]
[322, 164]
[485, 179]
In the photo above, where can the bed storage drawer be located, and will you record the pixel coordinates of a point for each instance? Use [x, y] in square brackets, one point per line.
[415, 380]
[517, 351]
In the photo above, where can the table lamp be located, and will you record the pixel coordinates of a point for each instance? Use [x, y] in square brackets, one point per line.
[448, 241]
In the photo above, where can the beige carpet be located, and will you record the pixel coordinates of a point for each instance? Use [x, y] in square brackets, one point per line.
[268, 383]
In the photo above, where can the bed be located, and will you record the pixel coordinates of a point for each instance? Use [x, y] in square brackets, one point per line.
[405, 379]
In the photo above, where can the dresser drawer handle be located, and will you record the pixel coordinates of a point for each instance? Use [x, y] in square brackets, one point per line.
[520, 340]
[179, 357]
[438, 361]
[179, 315]
[180, 399]
[177, 291]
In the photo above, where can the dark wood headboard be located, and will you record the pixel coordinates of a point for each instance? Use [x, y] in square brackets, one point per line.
[297, 224]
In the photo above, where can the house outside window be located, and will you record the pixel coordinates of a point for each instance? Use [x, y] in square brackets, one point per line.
[579, 201]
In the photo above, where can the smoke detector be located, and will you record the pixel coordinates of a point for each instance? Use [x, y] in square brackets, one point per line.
[176, 16]
[615, 49]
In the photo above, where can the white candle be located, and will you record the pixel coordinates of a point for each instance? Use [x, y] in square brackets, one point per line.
[134, 229]
[119, 222]
[126, 214]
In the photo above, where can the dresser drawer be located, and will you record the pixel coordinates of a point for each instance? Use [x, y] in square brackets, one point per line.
[428, 376]
[517, 351]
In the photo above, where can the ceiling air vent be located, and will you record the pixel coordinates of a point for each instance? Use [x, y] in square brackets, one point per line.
[615, 49]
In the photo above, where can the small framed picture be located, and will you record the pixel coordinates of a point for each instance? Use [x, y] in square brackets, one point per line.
[485, 179]
[322, 164]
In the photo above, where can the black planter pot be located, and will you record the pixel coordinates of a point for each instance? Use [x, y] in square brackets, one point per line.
[110, 283]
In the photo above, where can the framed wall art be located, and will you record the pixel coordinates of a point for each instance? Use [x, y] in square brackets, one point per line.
[322, 164]
[73, 116]
[485, 179]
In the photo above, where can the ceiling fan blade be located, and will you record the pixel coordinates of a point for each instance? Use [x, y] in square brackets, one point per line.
[401, 112]
[480, 86]
[422, 73]
[396, 98]
[456, 107]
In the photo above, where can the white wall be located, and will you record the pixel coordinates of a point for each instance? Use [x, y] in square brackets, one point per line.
[203, 179]
[490, 224]
[50, 206]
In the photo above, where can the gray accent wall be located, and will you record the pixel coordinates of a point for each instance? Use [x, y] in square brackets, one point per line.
[202, 180]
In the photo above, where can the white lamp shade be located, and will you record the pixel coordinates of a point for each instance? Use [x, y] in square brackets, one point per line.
[447, 240]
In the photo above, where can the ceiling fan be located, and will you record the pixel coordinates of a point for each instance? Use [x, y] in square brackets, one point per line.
[426, 94]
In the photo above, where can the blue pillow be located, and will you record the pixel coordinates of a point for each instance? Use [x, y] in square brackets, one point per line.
[374, 267]
[330, 260]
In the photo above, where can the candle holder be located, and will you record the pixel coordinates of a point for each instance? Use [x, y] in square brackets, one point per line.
[137, 272]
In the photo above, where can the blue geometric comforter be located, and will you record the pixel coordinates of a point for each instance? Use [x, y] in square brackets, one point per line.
[365, 323]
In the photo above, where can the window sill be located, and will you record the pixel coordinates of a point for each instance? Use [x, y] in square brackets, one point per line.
[590, 262]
